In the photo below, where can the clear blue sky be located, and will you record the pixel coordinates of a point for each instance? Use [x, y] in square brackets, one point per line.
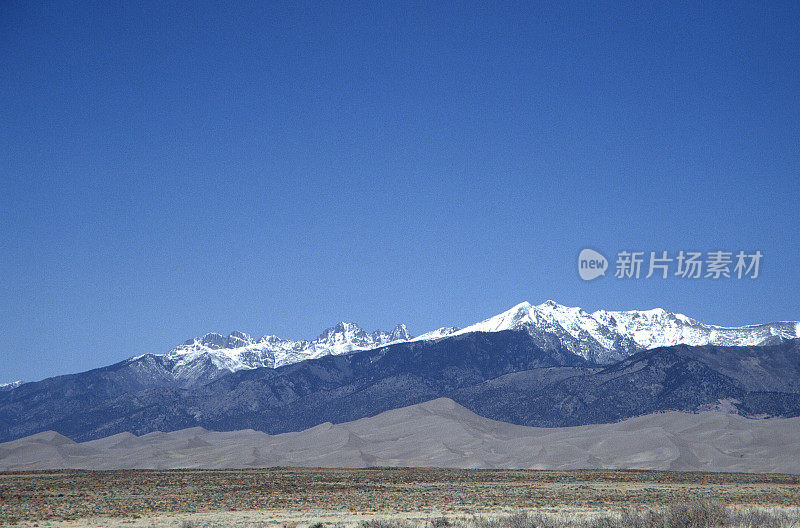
[170, 169]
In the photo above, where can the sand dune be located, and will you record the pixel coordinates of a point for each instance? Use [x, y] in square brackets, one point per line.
[440, 433]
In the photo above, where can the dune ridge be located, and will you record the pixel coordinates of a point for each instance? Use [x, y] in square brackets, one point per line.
[440, 433]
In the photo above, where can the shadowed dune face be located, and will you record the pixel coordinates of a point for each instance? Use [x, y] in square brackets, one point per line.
[440, 433]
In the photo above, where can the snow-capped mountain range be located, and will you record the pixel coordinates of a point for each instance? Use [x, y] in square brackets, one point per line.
[608, 336]
[601, 337]
[546, 366]
[9, 386]
[240, 351]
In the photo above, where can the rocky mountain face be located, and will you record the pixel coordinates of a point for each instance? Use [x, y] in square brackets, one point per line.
[759, 382]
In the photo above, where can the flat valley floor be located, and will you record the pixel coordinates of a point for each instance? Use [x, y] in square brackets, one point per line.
[299, 498]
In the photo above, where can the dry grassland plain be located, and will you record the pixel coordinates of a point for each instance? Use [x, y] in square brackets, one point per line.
[286, 497]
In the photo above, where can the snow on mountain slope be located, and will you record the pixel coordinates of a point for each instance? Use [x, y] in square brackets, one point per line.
[238, 351]
[607, 336]
[9, 386]
[601, 336]
[436, 334]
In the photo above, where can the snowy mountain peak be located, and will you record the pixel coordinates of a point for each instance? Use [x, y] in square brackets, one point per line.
[213, 353]
[513, 318]
[548, 304]
[236, 338]
[437, 334]
[602, 337]
[217, 341]
[9, 386]
[342, 332]
[606, 336]
[400, 333]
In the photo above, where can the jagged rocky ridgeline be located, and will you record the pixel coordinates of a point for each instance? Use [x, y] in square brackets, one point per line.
[601, 337]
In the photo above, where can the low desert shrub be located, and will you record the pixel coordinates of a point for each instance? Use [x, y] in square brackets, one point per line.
[383, 523]
[441, 522]
[699, 514]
